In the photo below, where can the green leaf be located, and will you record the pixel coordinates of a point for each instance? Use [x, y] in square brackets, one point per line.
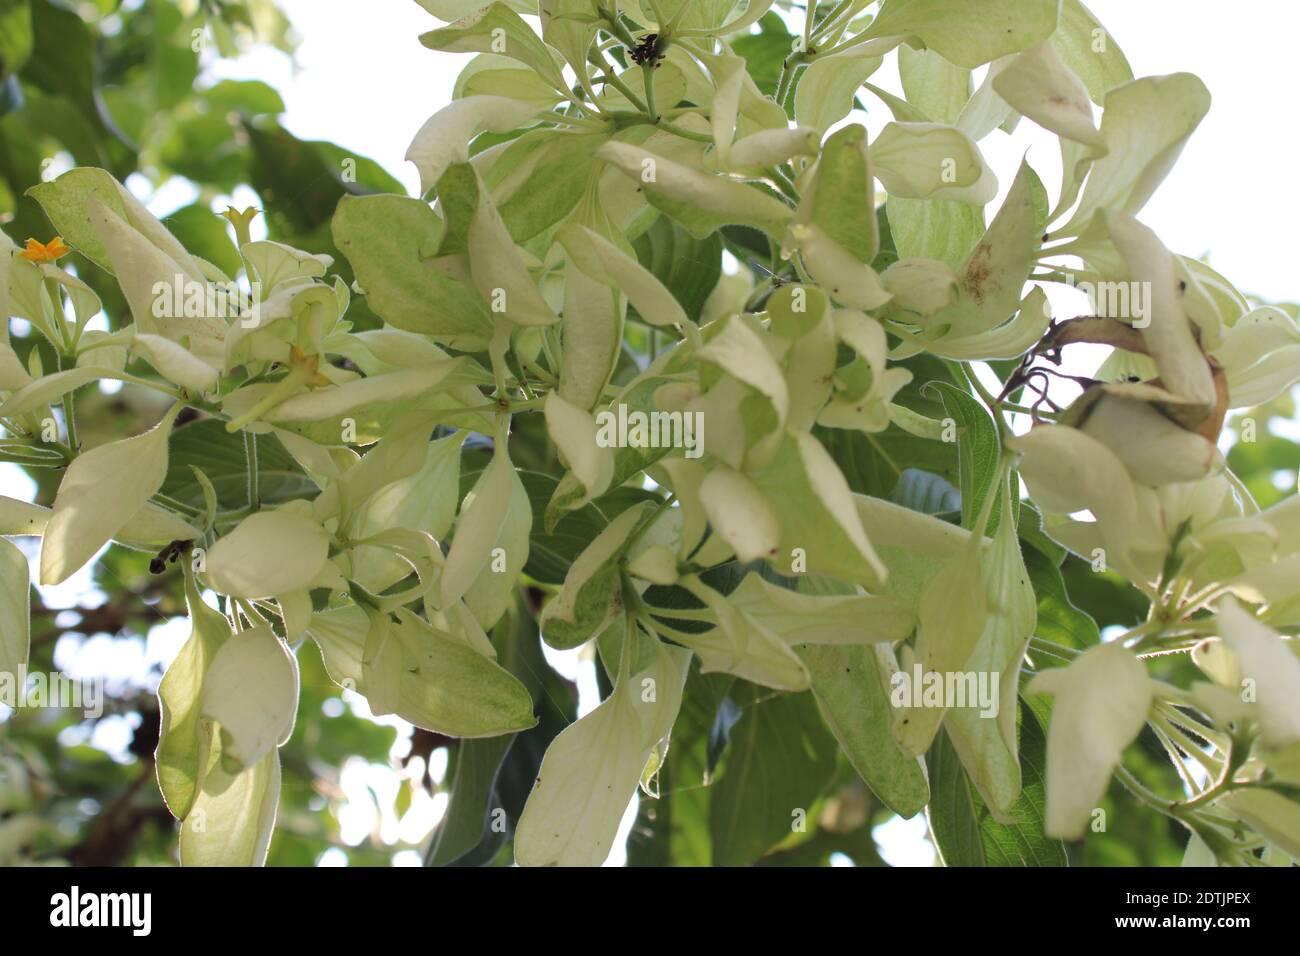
[449, 688]
[674, 830]
[977, 451]
[248, 96]
[780, 760]
[688, 267]
[15, 35]
[765, 52]
[63, 57]
[301, 182]
[968, 34]
[469, 808]
[1059, 621]
[966, 833]
[851, 691]
[220, 455]
[390, 240]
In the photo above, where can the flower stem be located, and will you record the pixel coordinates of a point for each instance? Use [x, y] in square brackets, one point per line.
[250, 458]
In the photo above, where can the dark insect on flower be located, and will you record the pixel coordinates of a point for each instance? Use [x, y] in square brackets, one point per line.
[168, 555]
[647, 50]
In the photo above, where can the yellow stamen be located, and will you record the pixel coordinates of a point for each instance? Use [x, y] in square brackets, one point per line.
[51, 251]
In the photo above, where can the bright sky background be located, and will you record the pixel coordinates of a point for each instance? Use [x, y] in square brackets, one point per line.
[363, 80]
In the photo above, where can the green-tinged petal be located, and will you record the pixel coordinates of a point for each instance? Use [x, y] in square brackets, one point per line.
[175, 364]
[251, 691]
[1144, 127]
[493, 593]
[592, 337]
[446, 686]
[15, 611]
[606, 263]
[1041, 87]
[1264, 659]
[840, 198]
[69, 199]
[591, 770]
[968, 34]
[233, 815]
[592, 594]
[826, 532]
[1067, 472]
[268, 553]
[478, 529]
[985, 739]
[335, 400]
[444, 138]
[496, 28]
[101, 490]
[389, 241]
[697, 200]
[935, 86]
[924, 160]
[1167, 333]
[1270, 813]
[496, 264]
[179, 757]
[851, 685]
[1089, 51]
[827, 88]
[574, 433]
[741, 645]
[1101, 704]
[920, 286]
[808, 616]
[1155, 449]
[741, 514]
